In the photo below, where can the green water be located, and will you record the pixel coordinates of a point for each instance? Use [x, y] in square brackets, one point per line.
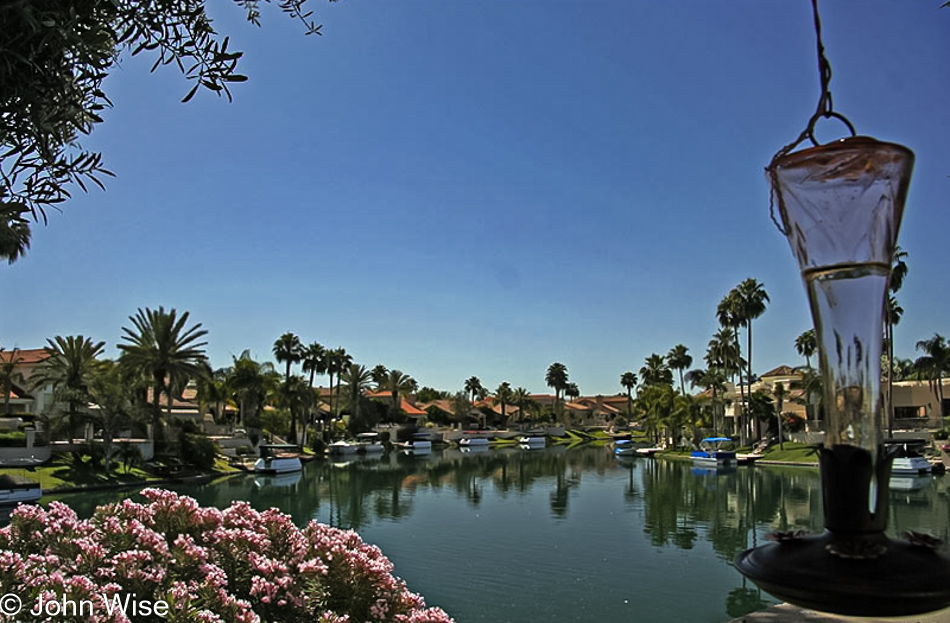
[562, 534]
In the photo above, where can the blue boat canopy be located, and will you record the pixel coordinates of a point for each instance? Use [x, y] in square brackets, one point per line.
[717, 439]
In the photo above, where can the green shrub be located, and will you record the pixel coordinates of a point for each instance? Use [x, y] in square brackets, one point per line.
[12, 440]
[198, 450]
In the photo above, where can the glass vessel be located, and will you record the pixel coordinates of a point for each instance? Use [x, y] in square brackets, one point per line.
[841, 206]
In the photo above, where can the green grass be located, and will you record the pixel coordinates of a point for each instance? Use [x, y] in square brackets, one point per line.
[793, 453]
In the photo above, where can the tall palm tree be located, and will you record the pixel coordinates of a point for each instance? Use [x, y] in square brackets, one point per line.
[628, 380]
[289, 350]
[655, 371]
[357, 379]
[473, 387]
[572, 391]
[252, 383]
[934, 364]
[679, 359]
[161, 346]
[69, 365]
[14, 231]
[212, 392]
[556, 378]
[712, 380]
[337, 361]
[752, 303]
[503, 396]
[806, 344]
[314, 360]
[729, 315]
[398, 383]
[9, 375]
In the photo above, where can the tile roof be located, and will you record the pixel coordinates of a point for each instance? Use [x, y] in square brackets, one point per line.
[26, 357]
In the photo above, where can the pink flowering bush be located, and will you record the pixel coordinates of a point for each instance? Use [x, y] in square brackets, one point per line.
[209, 566]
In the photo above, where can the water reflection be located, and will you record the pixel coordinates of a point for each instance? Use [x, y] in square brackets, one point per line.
[624, 528]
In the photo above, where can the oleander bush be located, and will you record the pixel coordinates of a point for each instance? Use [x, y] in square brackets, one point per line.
[236, 565]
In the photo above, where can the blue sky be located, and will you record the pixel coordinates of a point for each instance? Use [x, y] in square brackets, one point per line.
[479, 188]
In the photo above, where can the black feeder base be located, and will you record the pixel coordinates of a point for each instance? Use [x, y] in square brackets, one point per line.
[906, 579]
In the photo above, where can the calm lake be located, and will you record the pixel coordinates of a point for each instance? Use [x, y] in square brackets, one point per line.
[562, 534]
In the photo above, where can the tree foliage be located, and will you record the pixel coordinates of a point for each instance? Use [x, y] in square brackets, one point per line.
[54, 58]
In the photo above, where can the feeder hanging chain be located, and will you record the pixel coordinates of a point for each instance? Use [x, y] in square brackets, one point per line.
[825, 110]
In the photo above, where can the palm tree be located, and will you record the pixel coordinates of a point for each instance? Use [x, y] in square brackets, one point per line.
[69, 365]
[572, 391]
[289, 350]
[934, 364]
[806, 344]
[314, 360]
[521, 398]
[503, 396]
[14, 231]
[655, 371]
[358, 380]
[296, 395]
[337, 361]
[628, 380]
[729, 314]
[752, 300]
[712, 380]
[252, 382]
[212, 389]
[379, 373]
[556, 378]
[397, 383]
[112, 389]
[679, 359]
[163, 348]
[473, 387]
[9, 375]
[778, 390]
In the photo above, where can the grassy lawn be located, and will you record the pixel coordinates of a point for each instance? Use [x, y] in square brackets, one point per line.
[793, 453]
[63, 472]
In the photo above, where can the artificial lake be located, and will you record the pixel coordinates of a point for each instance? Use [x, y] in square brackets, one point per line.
[510, 535]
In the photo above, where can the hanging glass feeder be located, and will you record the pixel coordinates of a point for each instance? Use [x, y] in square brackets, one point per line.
[840, 207]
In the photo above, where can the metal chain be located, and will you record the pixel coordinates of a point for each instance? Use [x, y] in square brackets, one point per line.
[824, 110]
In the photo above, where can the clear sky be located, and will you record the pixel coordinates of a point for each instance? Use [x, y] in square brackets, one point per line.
[458, 188]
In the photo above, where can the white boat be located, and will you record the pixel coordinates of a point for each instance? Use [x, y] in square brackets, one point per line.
[648, 451]
[470, 442]
[343, 447]
[533, 441]
[907, 459]
[369, 443]
[711, 453]
[277, 464]
[420, 443]
[17, 489]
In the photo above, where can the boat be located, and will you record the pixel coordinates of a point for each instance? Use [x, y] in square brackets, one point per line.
[471, 442]
[711, 453]
[747, 459]
[278, 459]
[369, 443]
[908, 461]
[533, 441]
[343, 447]
[649, 452]
[419, 444]
[624, 447]
[17, 489]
